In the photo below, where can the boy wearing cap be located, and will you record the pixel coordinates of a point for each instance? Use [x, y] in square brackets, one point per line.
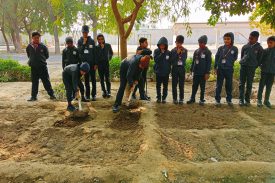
[71, 78]
[250, 59]
[104, 54]
[267, 72]
[38, 54]
[178, 59]
[224, 67]
[200, 69]
[70, 55]
[86, 47]
[142, 50]
[130, 73]
[162, 69]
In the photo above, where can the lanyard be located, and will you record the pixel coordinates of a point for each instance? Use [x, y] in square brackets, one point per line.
[225, 55]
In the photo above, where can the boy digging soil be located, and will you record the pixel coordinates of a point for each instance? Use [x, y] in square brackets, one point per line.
[267, 72]
[200, 69]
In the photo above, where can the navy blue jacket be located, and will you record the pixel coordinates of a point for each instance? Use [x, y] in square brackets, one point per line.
[71, 74]
[201, 63]
[87, 51]
[131, 67]
[268, 61]
[251, 55]
[70, 56]
[229, 55]
[162, 65]
[175, 57]
[104, 55]
[37, 57]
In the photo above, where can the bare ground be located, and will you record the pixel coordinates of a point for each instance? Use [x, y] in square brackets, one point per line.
[150, 143]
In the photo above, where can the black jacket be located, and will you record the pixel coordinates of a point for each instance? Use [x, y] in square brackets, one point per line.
[226, 57]
[268, 61]
[162, 65]
[251, 55]
[70, 56]
[87, 51]
[131, 67]
[104, 55]
[37, 57]
[145, 51]
[71, 74]
[201, 63]
[178, 59]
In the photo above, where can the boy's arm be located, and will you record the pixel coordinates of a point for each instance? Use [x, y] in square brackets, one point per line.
[193, 61]
[157, 55]
[259, 55]
[217, 58]
[130, 73]
[242, 52]
[111, 52]
[28, 51]
[236, 54]
[94, 53]
[209, 62]
[46, 52]
[75, 81]
[63, 59]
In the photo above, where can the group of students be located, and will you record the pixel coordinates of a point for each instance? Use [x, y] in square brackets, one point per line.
[87, 57]
[133, 70]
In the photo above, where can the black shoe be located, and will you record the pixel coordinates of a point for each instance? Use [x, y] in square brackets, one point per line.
[134, 97]
[218, 103]
[108, 95]
[201, 102]
[229, 103]
[247, 103]
[158, 101]
[115, 108]
[175, 102]
[268, 104]
[104, 95]
[71, 108]
[181, 101]
[83, 99]
[94, 98]
[164, 101]
[144, 98]
[241, 103]
[88, 98]
[32, 99]
[52, 97]
[259, 103]
[191, 101]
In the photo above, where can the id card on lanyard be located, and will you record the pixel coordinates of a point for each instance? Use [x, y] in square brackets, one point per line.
[225, 55]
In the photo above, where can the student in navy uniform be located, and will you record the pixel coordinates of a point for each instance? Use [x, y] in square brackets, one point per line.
[130, 73]
[267, 72]
[86, 47]
[162, 69]
[142, 50]
[250, 59]
[178, 59]
[70, 55]
[71, 78]
[224, 67]
[104, 54]
[200, 69]
[38, 54]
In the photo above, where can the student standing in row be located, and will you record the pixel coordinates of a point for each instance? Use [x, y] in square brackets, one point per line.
[200, 69]
[104, 54]
[142, 50]
[38, 54]
[250, 59]
[267, 72]
[86, 47]
[224, 67]
[162, 69]
[178, 59]
[70, 55]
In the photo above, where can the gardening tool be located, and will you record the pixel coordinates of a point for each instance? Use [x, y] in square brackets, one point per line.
[79, 101]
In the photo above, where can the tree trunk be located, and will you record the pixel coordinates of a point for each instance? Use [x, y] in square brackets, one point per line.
[30, 36]
[5, 38]
[123, 47]
[18, 47]
[56, 40]
[94, 28]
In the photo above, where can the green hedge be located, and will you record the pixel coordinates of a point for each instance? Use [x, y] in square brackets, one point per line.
[11, 70]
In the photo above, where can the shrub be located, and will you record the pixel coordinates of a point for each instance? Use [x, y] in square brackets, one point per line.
[60, 91]
[11, 70]
[114, 67]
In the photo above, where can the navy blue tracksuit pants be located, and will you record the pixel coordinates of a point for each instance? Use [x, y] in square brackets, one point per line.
[227, 75]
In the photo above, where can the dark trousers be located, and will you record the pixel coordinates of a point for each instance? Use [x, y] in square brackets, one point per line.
[141, 84]
[266, 81]
[104, 75]
[68, 87]
[90, 76]
[162, 80]
[43, 74]
[246, 77]
[198, 80]
[123, 84]
[178, 77]
[227, 75]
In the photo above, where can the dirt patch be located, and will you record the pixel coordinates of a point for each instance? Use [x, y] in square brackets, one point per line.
[210, 90]
[263, 115]
[199, 117]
